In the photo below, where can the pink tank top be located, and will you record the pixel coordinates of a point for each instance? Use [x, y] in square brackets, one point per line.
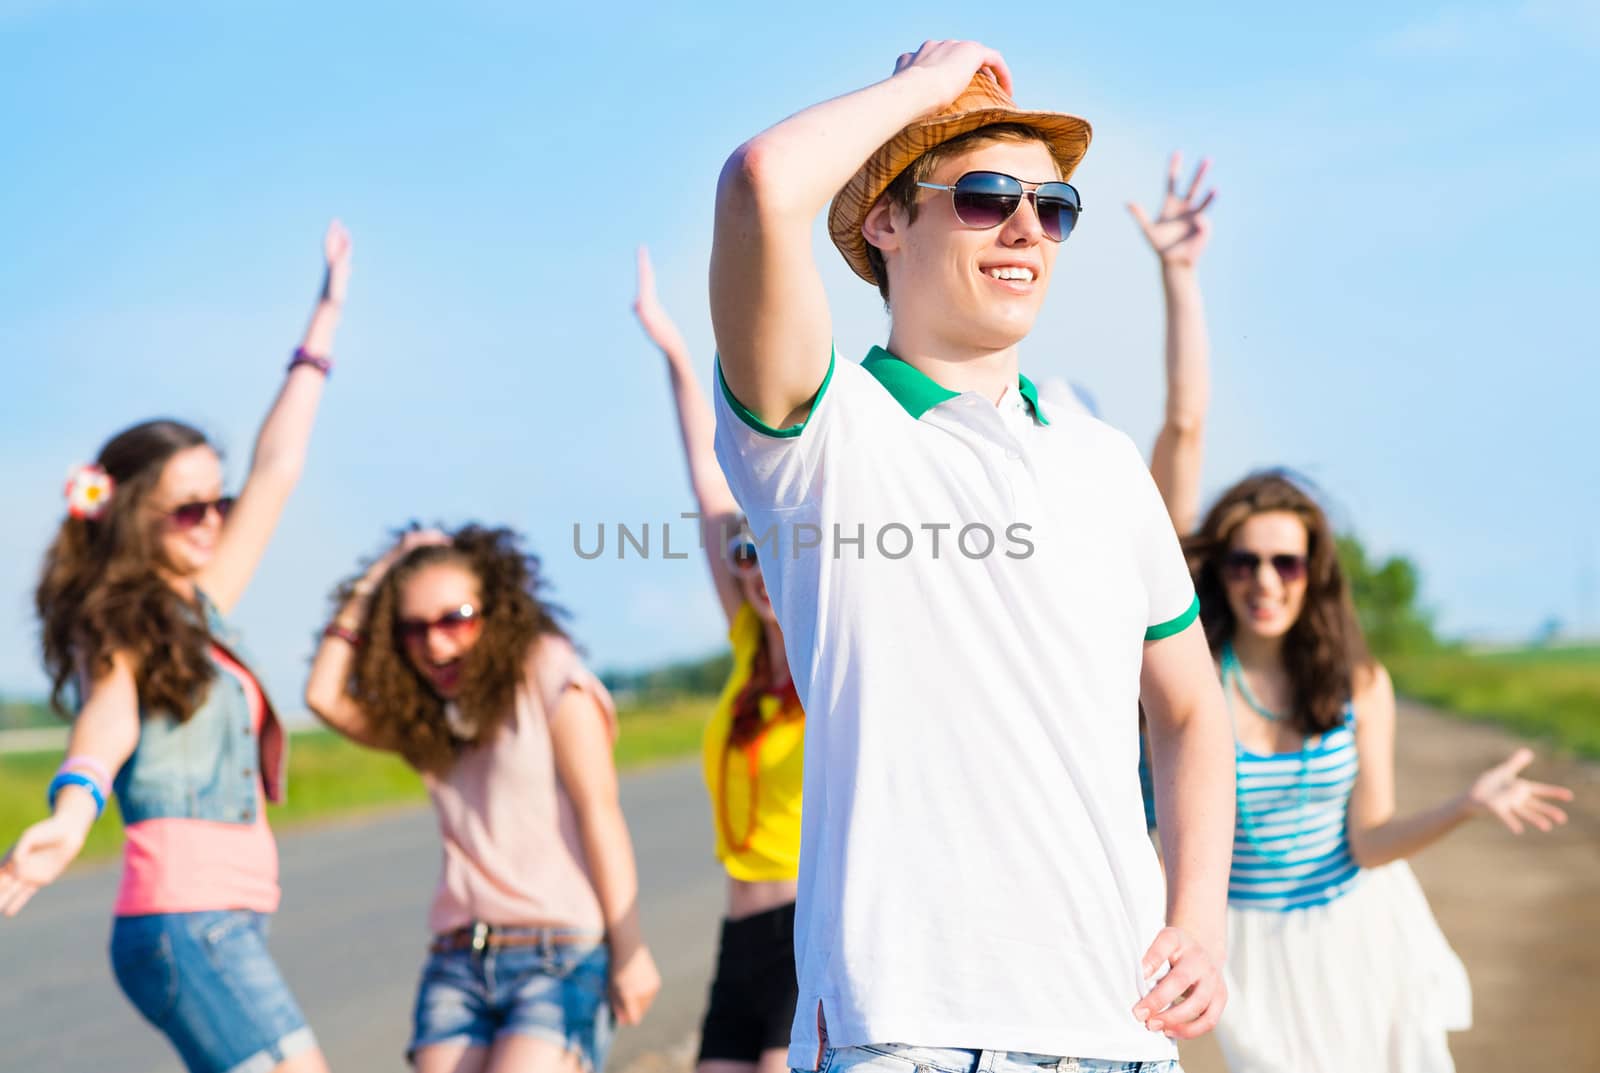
[190, 866]
[512, 851]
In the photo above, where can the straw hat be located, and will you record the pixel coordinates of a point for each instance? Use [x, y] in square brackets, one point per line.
[981, 104]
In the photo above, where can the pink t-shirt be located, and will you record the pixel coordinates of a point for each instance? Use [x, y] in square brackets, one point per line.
[512, 851]
[177, 865]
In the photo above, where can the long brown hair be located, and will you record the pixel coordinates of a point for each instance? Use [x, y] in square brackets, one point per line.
[746, 723]
[1324, 647]
[99, 592]
[394, 694]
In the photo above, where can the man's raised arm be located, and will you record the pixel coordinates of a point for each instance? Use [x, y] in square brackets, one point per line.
[774, 333]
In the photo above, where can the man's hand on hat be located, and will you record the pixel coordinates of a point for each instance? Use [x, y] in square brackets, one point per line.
[951, 65]
[1179, 233]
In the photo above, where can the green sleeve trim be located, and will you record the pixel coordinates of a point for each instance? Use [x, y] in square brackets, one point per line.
[761, 426]
[1176, 625]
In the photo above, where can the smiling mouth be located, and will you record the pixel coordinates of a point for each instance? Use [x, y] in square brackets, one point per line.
[1011, 274]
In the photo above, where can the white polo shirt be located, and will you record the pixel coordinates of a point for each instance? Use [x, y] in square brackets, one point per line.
[965, 591]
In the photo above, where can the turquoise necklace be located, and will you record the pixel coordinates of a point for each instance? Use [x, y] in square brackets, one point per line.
[1233, 675]
[1230, 666]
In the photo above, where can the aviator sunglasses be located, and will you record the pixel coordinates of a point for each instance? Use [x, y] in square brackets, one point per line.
[190, 515]
[458, 625]
[987, 199]
[1243, 566]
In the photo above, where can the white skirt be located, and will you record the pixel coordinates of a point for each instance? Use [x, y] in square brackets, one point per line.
[1365, 983]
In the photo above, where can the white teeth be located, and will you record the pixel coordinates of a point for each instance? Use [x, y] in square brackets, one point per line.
[1012, 272]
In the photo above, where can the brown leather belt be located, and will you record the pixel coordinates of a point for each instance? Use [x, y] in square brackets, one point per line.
[488, 937]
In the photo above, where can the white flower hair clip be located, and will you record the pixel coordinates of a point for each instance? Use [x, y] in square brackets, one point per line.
[89, 492]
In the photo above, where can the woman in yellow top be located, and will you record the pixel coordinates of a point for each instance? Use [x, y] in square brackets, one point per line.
[753, 751]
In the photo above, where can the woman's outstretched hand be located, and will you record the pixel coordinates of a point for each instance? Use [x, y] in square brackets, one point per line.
[336, 249]
[41, 854]
[1503, 793]
[1179, 233]
[652, 317]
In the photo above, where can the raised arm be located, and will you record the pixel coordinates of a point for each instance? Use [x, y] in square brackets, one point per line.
[104, 734]
[1378, 836]
[327, 687]
[1192, 757]
[1178, 236]
[698, 428]
[768, 308]
[280, 450]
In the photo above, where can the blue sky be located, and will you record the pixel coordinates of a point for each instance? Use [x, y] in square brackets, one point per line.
[1404, 242]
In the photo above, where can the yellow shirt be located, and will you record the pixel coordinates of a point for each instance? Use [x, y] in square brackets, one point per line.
[755, 788]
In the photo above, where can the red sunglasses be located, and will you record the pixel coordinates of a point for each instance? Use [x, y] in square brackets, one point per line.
[190, 515]
[458, 625]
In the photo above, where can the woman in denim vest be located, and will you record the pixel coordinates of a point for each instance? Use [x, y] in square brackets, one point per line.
[444, 652]
[132, 604]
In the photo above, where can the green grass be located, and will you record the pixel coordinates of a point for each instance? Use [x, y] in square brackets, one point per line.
[329, 777]
[1551, 694]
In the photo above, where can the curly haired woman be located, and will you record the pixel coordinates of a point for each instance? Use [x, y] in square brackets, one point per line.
[132, 606]
[444, 652]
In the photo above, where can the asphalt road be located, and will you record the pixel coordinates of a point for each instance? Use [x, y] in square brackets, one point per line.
[1523, 913]
[350, 939]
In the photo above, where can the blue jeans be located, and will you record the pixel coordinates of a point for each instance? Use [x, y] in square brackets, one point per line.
[550, 990]
[208, 983]
[899, 1058]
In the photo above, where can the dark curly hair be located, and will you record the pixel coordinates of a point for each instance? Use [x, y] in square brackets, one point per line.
[399, 701]
[99, 592]
[1324, 648]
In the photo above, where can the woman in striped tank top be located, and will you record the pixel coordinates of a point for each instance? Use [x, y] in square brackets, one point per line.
[1334, 960]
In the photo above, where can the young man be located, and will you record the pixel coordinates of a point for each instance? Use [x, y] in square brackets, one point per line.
[974, 593]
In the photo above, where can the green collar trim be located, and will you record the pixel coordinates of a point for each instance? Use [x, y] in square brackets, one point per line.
[911, 387]
[1031, 393]
[917, 392]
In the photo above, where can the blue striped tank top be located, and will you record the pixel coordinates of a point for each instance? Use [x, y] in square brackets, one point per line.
[1291, 849]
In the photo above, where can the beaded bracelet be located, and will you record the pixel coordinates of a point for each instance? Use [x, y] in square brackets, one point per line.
[87, 763]
[76, 778]
[349, 637]
[304, 357]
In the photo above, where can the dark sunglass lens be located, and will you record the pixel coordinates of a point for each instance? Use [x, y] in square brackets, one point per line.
[1058, 210]
[190, 515]
[1289, 567]
[1241, 564]
[986, 199]
[224, 505]
[411, 630]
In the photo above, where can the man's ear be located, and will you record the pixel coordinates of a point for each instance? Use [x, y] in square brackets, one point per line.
[884, 225]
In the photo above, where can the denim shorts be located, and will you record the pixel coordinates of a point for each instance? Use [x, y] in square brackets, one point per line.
[208, 983]
[900, 1058]
[553, 989]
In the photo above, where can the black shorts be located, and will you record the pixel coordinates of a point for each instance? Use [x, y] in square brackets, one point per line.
[754, 993]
